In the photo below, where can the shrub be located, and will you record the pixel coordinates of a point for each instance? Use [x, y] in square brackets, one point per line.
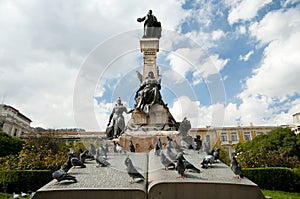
[274, 178]
[23, 180]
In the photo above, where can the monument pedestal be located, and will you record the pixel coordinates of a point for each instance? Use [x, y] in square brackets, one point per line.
[145, 141]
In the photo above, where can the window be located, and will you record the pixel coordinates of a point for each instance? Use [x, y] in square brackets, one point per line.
[224, 137]
[15, 133]
[259, 133]
[234, 137]
[247, 136]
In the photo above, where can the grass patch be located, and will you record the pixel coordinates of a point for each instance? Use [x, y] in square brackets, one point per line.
[281, 194]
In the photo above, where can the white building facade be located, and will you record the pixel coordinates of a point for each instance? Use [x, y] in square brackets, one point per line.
[13, 122]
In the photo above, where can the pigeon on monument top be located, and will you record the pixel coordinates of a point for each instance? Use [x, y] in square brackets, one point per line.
[158, 147]
[171, 154]
[101, 160]
[68, 164]
[60, 175]
[83, 156]
[92, 150]
[166, 161]
[131, 146]
[216, 154]
[104, 150]
[209, 159]
[180, 167]
[76, 162]
[132, 172]
[187, 164]
[236, 168]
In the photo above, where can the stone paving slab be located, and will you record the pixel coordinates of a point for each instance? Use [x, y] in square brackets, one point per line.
[215, 182]
[112, 181]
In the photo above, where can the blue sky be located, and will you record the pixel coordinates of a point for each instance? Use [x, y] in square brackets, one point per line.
[64, 63]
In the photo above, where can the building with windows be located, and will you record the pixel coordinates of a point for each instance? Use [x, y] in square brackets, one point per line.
[296, 123]
[227, 137]
[13, 122]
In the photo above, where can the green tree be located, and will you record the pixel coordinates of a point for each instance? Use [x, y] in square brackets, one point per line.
[279, 147]
[9, 145]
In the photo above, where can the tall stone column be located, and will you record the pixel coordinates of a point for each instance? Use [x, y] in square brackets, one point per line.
[149, 48]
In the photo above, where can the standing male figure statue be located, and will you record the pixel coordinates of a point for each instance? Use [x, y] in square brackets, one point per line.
[117, 117]
[152, 28]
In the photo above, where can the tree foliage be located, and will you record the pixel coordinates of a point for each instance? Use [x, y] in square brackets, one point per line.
[279, 148]
[36, 153]
[9, 145]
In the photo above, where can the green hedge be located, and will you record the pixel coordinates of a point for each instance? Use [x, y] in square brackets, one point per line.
[275, 178]
[23, 180]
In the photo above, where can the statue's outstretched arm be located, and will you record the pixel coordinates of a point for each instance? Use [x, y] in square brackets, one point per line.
[141, 19]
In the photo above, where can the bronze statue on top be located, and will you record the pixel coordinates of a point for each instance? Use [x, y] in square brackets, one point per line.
[148, 94]
[117, 117]
[152, 28]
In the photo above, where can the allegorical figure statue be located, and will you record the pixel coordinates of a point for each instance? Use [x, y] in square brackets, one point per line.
[152, 28]
[148, 94]
[117, 117]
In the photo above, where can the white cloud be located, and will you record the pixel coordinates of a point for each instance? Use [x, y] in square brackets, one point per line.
[266, 98]
[246, 57]
[244, 9]
[276, 25]
[198, 115]
[217, 34]
[43, 44]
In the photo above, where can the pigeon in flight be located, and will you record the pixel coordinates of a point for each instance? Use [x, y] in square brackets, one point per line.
[236, 168]
[180, 167]
[131, 146]
[166, 161]
[132, 172]
[100, 160]
[61, 175]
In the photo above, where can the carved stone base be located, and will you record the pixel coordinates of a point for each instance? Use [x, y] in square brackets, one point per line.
[157, 119]
[145, 141]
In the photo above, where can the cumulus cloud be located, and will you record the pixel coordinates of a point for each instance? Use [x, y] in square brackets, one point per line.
[268, 94]
[244, 9]
[43, 46]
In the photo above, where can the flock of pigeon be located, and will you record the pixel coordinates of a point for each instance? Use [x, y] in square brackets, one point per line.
[171, 157]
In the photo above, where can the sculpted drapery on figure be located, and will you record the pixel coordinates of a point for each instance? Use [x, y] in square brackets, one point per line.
[152, 28]
[148, 94]
[117, 117]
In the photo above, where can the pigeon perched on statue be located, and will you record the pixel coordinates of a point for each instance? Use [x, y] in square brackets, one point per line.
[77, 163]
[216, 154]
[188, 166]
[100, 160]
[158, 147]
[68, 164]
[166, 161]
[132, 172]
[236, 168]
[92, 150]
[131, 146]
[180, 167]
[171, 154]
[103, 150]
[60, 175]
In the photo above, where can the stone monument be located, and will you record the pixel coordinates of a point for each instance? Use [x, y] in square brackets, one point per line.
[150, 117]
